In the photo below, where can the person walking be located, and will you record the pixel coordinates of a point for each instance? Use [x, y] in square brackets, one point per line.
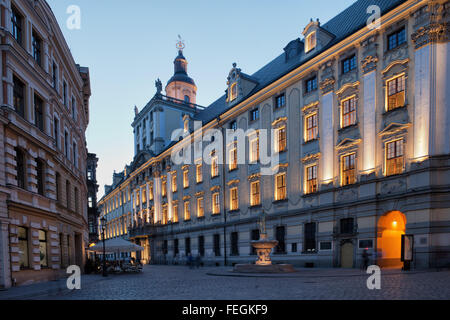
[365, 257]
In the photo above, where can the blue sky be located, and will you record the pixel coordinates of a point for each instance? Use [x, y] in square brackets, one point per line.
[127, 45]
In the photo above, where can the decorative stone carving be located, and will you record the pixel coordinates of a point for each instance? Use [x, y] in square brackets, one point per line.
[346, 195]
[431, 24]
[369, 63]
[327, 85]
[327, 79]
[432, 33]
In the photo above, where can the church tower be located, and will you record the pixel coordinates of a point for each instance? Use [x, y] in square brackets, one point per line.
[181, 86]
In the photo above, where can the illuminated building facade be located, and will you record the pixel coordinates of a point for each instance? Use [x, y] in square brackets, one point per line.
[44, 113]
[361, 120]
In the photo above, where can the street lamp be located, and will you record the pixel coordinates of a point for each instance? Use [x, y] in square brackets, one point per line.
[103, 222]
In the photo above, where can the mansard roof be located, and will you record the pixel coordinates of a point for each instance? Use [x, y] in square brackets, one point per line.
[343, 25]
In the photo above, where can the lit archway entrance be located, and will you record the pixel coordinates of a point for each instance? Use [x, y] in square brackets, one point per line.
[391, 227]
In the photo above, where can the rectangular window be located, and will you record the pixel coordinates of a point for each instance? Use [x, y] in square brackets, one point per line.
[23, 247]
[234, 244]
[348, 110]
[174, 183]
[150, 192]
[255, 196]
[165, 215]
[281, 140]
[66, 144]
[216, 203]
[175, 213]
[310, 237]
[311, 179]
[164, 188]
[254, 114]
[311, 84]
[65, 93]
[76, 199]
[16, 20]
[176, 249]
[347, 226]
[280, 101]
[20, 168]
[394, 157]
[348, 169]
[187, 245]
[75, 155]
[187, 211]
[233, 92]
[74, 109]
[55, 76]
[233, 125]
[43, 248]
[214, 166]
[186, 179]
[36, 43]
[200, 208]
[254, 150]
[349, 64]
[312, 127]
[68, 198]
[396, 93]
[199, 173]
[234, 199]
[310, 42]
[233, 159]
[280, 237]
[325, 246]
[40, 176]
[280, 187]
[19, 96]
[397, 38]
[217, 245]
[255, 237]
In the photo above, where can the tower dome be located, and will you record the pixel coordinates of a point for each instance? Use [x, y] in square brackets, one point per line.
[181, 86]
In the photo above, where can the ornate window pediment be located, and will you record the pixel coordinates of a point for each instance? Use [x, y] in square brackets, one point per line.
[347, 143]
[394, 128]
[239, 85]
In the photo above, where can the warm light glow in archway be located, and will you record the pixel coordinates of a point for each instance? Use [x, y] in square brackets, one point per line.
[391, 226]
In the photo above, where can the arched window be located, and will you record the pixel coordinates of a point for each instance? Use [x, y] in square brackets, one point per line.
[187, 99]
[233, 92]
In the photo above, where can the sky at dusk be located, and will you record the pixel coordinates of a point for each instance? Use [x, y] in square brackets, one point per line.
[127, 45]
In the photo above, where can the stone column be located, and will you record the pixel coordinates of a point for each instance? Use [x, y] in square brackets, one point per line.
[327, 137]
[157, 196]
[169, 196]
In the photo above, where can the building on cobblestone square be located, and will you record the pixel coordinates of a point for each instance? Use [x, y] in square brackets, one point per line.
[360, 120]
[44, 114]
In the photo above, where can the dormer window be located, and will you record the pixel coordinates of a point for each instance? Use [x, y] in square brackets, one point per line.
[310, 41]
[233, 92]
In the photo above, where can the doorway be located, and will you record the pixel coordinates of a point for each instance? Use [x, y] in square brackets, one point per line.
[391, 227]
[347, 250]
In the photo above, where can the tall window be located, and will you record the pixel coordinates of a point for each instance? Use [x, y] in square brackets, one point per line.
[348, 169]
[186, 179]
[396, 93]
[23, 247]
[216, 203]
[254, 114]
[56, 131]
[74, 109]
[76, 199]
[201, 246]
[255, 196]
[40, 176]
[43, 248]
[310, 42]
[311, 179]
[165, 215]
[19, 96]
[233, 158]
[280, 234]
[175, 213]
[254, 149]
[280, 101]
[36, 43]
[348, 110]
[187, 99]
[164, 188]
[310, 237]
[394, 157]
[312, 128]
[55, 76]
[214, 165]
[233, 92]
[234, 244]
[174, 183]
[217, 245]
[281, 140]
[20, 168]
[311, 84]
[16, 20]
[187, 211]
[66, 144]
[187, 245]
[280, 187]
[234, 199]
[200, 208]
[65, 93]
[176, 249]
[68, 197]
[75, 154]
[58, 186]
[349, 64]
[199, 173]
[396, 39]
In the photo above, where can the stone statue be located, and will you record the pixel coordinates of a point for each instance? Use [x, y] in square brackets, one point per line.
[158, 85]
[136, 111]
[262, 224]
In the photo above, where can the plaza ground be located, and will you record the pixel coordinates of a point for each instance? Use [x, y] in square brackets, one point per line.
[217, 283]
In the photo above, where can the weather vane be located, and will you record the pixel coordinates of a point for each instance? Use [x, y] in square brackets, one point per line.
[180, 44]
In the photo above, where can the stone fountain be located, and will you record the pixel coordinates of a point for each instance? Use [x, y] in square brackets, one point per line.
[263, 248]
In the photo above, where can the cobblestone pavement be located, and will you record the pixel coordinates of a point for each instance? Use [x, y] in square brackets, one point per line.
[182, 283]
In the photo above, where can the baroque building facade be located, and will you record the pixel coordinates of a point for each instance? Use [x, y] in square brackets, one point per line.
[44, 114]
[359, 118]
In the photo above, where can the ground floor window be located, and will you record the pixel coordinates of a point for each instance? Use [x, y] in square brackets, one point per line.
[280, 236]
[187, 244]
[310, 237]
[175, 247]
[217, 245]
[255, 237]
[234, 244]
[43, 248]
[201, 246]
[23, 248]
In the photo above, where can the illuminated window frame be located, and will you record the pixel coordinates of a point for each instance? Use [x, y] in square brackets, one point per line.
[186, 179]
[280, 187]
[214, 166]
[348, 112]
[216, 203]
[280, 139]
[164, 187]
[396, 159]
[310, 41]
[200, 207]
[174, 183]
[395, 92]
[233, 92]
[311, 179]
[254, 149]
[311, 127]
[187, 211]
[348, 172]
[233, 158]
[234, 199]
[199, 173]
[255, 193]
[175, 212]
